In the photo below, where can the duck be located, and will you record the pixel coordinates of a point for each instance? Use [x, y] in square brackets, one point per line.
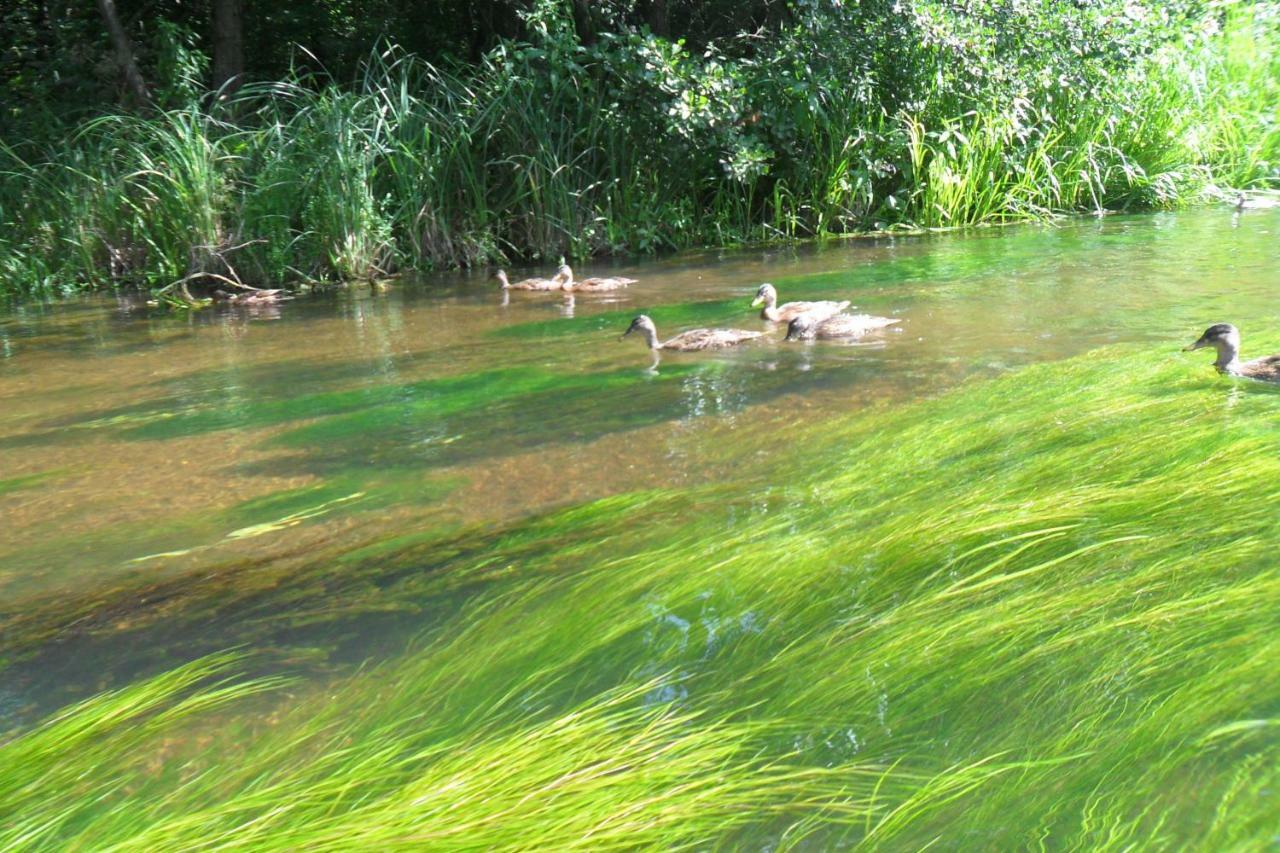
[565, 274]
[1225, 338]
[1256, 202]
[776, 313]
[806, 327]
[690, 341]
[556, 283]
[251, 297]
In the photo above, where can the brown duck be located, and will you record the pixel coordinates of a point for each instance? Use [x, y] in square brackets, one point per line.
[251, 297]
[1225, 338]
[806, 327]
[690, 341]
[787, 312]
[556, 283]
[589, 285]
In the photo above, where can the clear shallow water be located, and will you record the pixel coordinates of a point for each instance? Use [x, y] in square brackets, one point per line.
[222, 451]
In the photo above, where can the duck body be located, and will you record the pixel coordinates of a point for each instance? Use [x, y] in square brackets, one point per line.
[556, 283]
[806, 327]
[1225, 338]
[591, 285]
[785, 313]
[690, 341]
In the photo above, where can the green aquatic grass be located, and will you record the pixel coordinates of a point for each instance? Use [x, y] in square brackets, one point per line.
[1034, 611]
[451, 420]
[13, 484]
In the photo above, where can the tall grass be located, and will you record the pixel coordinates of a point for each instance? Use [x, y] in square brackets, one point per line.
[550, 149]
[1058, 637]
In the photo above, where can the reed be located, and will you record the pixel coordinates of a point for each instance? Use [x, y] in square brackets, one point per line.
[549, 148]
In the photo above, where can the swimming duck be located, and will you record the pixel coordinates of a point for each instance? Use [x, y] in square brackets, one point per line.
[1256, 202]
[783, 313]
[556, 283]
[690, 341]
[565, 274]
[251, 297]
[807, 327]
[1225, 338]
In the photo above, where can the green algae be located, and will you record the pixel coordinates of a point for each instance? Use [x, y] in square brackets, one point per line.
[9, 485]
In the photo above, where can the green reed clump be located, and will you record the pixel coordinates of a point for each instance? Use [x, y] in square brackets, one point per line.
[849, 120]
[1030, 611]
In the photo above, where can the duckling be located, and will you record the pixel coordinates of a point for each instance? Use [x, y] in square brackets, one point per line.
[556, 283]
[690, 341]
[565, 274]
[807, 327]
[1225, 338]
[776, 313]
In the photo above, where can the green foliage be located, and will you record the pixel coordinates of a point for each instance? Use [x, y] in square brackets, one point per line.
[1018, 649]
[833, 120]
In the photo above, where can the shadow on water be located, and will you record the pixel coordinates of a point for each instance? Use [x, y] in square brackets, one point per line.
[321, 609]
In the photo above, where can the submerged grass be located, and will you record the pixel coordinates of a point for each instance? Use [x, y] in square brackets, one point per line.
[13, 484]
[1033, 611]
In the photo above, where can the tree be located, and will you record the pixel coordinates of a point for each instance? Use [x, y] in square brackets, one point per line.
[228, 43]
[125, 56]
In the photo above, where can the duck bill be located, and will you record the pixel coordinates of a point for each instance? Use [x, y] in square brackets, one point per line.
[1197, 345]
[757, 302]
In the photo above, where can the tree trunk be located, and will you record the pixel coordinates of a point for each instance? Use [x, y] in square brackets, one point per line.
[228, 44]
[124, 52]
[582, 22]
[656, 17]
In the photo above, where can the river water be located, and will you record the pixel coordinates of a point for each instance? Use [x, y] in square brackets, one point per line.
[145, 454]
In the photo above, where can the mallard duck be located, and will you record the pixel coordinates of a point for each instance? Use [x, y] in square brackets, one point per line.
[251, 297]
[591, 284]
[807, 327]
[776, 313]
[1225, 338]
[529, 283]
[690, 341]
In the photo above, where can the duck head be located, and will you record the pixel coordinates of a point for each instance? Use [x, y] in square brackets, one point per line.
[766, 296]
[501, 276]
[643, 325]
[1223, 337]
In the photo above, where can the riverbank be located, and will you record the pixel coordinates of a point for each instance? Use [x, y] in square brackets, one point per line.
[631, 145]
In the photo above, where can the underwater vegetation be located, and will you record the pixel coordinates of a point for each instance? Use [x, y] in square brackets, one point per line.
[1034, 610]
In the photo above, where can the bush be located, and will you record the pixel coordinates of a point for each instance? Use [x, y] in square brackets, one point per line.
[832, 121]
